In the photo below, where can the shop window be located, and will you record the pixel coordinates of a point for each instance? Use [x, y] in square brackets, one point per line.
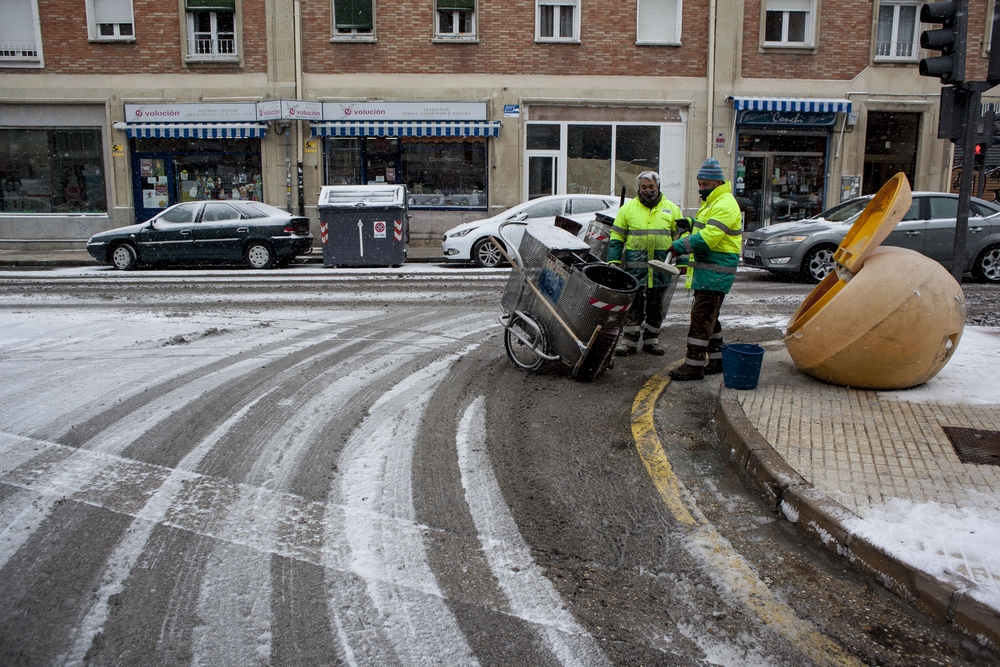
[456, 19]
[897, 31]
[110, 20]
[557, 20]
[789, 22]
[637, 149]
[52, 171]
[353, 19]
[445, 172]
[658, 22]
[588, 159]
[20, 36]
[211, 30]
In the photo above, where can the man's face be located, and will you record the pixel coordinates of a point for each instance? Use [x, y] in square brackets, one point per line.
[708, 185]
[649, 191]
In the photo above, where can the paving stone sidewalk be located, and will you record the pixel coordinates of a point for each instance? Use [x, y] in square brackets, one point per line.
[828, 457]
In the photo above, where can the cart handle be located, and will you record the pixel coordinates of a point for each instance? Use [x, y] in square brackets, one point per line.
[540, 296]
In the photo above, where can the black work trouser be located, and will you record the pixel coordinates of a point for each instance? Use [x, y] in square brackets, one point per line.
[705, 334]
[646, 314]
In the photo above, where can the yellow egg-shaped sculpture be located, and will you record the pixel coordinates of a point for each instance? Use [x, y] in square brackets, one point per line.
[892, 325]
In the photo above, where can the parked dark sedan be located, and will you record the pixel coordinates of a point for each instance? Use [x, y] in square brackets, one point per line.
[232, 231]
[806, 247]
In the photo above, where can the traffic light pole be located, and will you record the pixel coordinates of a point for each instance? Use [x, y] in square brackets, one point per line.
[971, 94]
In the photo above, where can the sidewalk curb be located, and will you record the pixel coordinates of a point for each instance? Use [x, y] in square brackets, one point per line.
[947, 601]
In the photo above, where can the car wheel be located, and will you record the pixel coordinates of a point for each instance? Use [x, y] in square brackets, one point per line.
[123, 257]
[987, 266]
[486, 254]
[259, 255]
[817, 263]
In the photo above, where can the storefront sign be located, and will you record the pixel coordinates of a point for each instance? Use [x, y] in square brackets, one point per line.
[289, 110]
[404, 111]
[190, 113]
[787, 118]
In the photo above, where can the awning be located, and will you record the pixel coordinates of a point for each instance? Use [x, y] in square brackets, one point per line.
[193, 130]
[791, 104]
[402, 128]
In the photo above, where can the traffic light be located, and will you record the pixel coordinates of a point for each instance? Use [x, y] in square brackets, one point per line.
[949, 39]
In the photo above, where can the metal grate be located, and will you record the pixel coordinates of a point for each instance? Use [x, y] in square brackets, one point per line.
[975, 446]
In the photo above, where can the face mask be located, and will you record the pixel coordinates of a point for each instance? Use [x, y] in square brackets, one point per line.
[704, 193]
[649, 199]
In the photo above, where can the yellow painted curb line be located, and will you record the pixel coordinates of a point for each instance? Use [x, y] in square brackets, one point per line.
[714, 548]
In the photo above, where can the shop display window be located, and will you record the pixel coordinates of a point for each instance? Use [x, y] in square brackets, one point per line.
[439, 172]
[52, 171]
[201, 169]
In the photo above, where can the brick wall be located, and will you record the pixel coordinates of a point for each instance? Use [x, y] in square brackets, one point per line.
[506, 45]
[844, 44]
[157, 49]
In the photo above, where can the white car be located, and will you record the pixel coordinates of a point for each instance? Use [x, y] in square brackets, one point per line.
[470, 241]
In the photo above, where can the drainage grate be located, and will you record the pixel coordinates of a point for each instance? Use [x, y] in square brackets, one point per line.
[975, 446]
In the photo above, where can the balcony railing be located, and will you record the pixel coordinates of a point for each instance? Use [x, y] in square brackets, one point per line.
[207, 47]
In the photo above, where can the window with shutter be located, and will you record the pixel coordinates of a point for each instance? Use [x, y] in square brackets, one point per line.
[658, 22]
[19, 34]
[211, 30]
[353, 17]
[789, 22]
[456, 19]
[110, 19]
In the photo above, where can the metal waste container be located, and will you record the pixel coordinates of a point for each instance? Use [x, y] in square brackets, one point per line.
[598, 235]
[363, 225]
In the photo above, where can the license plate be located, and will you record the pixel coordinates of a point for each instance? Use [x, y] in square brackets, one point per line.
[750, 254]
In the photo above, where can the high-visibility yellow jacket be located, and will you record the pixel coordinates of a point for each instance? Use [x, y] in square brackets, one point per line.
[640, 234]
[715, 241]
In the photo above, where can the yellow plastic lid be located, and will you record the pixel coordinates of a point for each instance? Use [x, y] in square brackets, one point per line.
[875, 223]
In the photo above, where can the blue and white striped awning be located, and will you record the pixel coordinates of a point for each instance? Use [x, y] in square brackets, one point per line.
[791, 104]
[404, 128]
[193, 130]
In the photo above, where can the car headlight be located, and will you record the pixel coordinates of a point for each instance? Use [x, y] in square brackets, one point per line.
[787, 238]
[460, 234]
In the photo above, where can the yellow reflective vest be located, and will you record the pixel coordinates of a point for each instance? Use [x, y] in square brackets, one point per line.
[640, 234]
[715, 241]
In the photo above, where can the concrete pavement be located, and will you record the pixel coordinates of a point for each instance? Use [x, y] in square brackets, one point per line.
[827, 458]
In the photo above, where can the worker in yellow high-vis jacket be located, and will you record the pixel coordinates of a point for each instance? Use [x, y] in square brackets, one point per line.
[644, 229]
[714, 247]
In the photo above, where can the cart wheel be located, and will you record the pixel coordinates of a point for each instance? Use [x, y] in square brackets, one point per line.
[521, 355]
[601, 355]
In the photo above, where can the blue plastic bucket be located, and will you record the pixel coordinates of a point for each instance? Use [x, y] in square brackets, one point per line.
[741, 365]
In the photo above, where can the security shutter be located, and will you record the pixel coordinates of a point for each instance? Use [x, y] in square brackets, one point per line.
[657, 22]
[17, 30]
[211, 5]
[353, 14]
[456, 5]
[112, 11]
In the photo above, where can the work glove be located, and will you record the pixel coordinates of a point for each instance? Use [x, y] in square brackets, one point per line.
[685, 224]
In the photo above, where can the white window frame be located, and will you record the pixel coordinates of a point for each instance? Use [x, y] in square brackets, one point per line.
[23, 52]
[114, 13]
[658, 22]
[893, 45]
[215, 55]
[455, 35]
[786, 7]
[558, 8]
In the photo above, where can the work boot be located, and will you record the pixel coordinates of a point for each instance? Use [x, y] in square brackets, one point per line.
[652, 348]
[687, 372]
[714, 367]
[629, 342]
[626, 347]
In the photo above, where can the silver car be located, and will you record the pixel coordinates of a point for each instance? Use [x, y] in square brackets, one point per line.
[806, 247]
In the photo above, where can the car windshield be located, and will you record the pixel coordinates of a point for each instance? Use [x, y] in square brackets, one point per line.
[846, 211]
